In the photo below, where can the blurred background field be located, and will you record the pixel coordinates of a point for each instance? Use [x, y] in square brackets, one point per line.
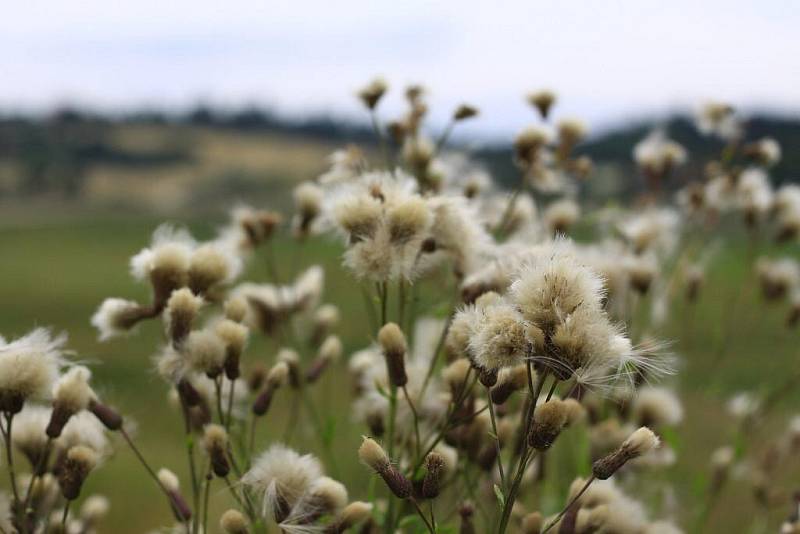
[57, 268]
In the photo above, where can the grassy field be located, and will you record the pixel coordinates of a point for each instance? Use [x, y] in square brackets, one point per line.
[56, 270]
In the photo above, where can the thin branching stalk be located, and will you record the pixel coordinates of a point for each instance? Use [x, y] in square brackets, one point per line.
[10, 456]
[440, 143]
[422, 515]
[417, 442]
[436, 352]
[496, 438]
[229, 414]
[64, 516]
[126, 437]
[570, 504]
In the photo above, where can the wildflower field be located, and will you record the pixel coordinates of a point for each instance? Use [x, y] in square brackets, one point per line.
[409, 347]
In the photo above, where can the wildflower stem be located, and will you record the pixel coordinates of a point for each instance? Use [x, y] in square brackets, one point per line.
[569, 504]
[37, 473]
[437, 350]
[218, 389]
[64, 516]
[422, 515]
[383, 296]
[493, 419]
[506, 218]
[207, 491]
[525, 456]
[229, 416]
[445, 136]
[418, 442]
[10, 456]
[146, 465]
[449, 422]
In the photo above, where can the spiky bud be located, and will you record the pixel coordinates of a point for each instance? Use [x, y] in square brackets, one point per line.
[373, 455]
[434, 474]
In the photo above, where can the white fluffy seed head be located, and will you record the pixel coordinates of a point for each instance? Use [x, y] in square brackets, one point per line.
[215, 438]
[327, 316]
[236, 309]
[115, 317]
[29, 365]
[233, 522]
[72, 392]
[95, 508]
[392, 339]
[281, 473]
[500, 340]
[204, 351]
[278, 374]
[184, 302]
[232, 334]
[211, 265]
[373, 455]
[169, 480]
[640, 442]
[331, 349]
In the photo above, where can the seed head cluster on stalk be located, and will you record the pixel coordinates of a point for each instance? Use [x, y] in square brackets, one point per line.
[505, 377]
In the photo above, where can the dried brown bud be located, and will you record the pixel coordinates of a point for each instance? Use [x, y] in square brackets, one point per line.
[110, 418]
[464, 111]
[393, 343]
[548, 421]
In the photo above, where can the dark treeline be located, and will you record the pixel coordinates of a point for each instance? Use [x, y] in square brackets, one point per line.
[52, 152]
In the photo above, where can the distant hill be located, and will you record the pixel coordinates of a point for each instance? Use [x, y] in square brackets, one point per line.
[64, 153]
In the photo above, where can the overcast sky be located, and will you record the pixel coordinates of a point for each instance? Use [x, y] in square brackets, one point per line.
[608, 60]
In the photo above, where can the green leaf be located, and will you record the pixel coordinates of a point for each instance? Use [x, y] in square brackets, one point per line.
[500, 497]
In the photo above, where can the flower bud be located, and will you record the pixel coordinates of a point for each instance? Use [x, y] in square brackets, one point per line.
[373, 455]
[393, 343]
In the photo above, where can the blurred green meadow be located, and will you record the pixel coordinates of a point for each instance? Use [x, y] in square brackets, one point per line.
[57, 267]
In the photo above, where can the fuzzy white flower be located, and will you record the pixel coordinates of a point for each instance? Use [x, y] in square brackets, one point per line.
[29, 367]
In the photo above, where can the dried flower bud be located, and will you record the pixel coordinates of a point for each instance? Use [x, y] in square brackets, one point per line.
[637, 444]
[182, 308]
[330, 351]
[434, 475]
[548, 421]
[170, 483]
[542, 100]
[188, 394]
[77, 465]
[236, 309]
[234, 337]
[215, 441]
[464, 111]
[110, 418]
[205, 352]
[373, 455]
[292, 359]
[509, 380]
[372, 93]
[233, 522]
[71, 394]
[466, 511]
[393, 343]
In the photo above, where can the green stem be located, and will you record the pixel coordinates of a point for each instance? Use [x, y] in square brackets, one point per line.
[418, 442]
[493, 418]
[569, 505]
